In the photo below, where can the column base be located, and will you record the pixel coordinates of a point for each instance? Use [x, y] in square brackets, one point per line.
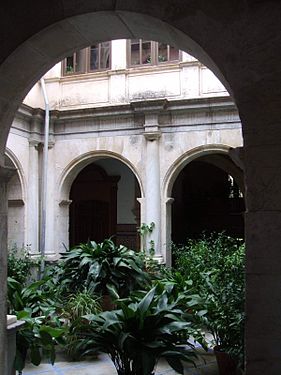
[158, 258]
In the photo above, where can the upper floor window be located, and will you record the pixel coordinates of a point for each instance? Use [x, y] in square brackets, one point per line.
[144, 52]
[94, 58]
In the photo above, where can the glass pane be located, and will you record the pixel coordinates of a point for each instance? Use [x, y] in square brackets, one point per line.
[69, 64]
[162, 52]
[94, 57]
[146, 52]
[135, 52]
[174, 53]
[104, 55]
[79, 61]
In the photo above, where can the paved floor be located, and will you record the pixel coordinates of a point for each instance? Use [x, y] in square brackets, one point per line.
[206, 365]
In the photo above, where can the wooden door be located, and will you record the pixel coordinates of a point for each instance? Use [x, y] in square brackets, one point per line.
[93, 211]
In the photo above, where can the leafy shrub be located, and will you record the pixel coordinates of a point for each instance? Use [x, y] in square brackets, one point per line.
[78, 305]
[139, 333]
[20, 264]
[102, 268]
[215, 267]
[43, 328]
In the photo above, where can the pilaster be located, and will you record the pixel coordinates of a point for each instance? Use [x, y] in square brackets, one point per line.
[262, 156]
[33, 197]
[5, 174]
[150, 110]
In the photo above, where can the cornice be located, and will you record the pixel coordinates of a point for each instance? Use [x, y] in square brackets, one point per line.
[132, 117]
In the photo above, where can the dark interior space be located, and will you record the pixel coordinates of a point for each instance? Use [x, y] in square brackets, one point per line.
[206, 199]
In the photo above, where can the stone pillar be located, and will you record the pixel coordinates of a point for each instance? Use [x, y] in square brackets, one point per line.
[62, 225]
[152, 184]
[263, 273]
[51, 251]
[167, 231]
[33, 198]
[5, 175]
[262, 157]
[142, 219]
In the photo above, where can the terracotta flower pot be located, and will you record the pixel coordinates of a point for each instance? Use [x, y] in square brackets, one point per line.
[226, 364]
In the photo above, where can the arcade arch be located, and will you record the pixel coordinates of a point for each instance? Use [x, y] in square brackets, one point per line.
[103, 190]
[203, 192]
[247, 51]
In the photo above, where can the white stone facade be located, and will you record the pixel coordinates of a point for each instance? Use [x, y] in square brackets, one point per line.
[155, 120]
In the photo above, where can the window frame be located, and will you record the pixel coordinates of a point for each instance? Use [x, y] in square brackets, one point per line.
[154, 55]
[86, 53]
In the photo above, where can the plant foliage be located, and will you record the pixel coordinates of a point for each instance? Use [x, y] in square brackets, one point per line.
[76, 306]
[42, 330]
[103, 268]
[139, 333]
[215, 268]
[20, 264]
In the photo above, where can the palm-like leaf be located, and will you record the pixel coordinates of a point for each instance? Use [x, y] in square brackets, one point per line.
[103, 267]
[140, 332]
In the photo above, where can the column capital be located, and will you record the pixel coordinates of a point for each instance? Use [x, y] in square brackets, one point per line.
[34, 143]
[152, 135]
[170, 200]
[65, 202]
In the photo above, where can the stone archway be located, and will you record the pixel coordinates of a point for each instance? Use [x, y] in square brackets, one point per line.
[218, 157]
[110, 184]
[239, 41]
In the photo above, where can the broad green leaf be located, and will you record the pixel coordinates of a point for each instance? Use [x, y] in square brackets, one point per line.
[175, 363]
[35, 355]
[145, 303]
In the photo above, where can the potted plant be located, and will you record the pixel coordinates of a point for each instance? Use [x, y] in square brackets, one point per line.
[139, 333]
[42, 330]
[215, 266]
[104, 268]
[76, 306]
[225, 320]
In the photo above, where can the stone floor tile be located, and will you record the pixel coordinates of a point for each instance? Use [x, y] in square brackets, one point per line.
[103, 366]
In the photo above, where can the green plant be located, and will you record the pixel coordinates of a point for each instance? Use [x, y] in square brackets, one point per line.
[215, 265]
[144, 231]
[69, 69]
[43, 328]
[80, 304]
[102, 268]
[76, 306]
[139, 333]
[38, 337]
[20, 264]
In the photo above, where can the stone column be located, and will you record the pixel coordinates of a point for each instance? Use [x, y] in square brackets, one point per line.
[263, 273]
[167, 229]
[5, 175]
[262, 157]
[51, 251]
[33, 198]
[152, 184]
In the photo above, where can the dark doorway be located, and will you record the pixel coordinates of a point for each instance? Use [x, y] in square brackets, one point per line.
[207, 199]
[93, 211]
